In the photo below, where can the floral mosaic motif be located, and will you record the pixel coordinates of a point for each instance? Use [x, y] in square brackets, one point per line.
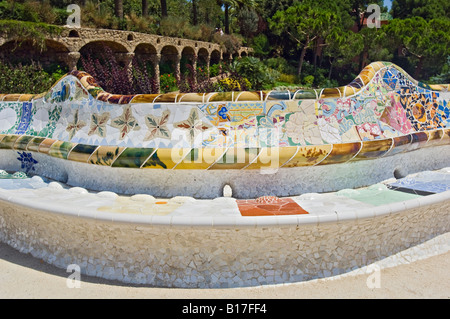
[125, 123]
[74, 126]
[302, 129]
[98, 124]
[193, 125]
[27, 161]
[157, 126]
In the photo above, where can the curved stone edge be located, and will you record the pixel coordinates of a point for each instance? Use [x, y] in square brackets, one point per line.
[229, 221]
[161, 255]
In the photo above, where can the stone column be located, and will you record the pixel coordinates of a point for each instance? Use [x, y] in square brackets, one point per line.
[127, 59]
[194, 66]
[156, 58]
[72, 60]
[177, 67]
[208, 61]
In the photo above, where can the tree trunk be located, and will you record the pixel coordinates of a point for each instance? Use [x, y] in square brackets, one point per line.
[227, 19]
[163, 8]
[331, 68]
[118, 8]
[300, 62]
[194, 12]
[144, 8]
[418, 68]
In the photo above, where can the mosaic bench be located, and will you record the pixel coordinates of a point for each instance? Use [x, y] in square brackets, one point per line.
[224, 186]
[259, 143]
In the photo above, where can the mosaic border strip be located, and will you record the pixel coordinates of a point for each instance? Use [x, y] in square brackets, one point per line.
[209, 158]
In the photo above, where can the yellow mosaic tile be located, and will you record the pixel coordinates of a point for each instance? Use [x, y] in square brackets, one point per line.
[105, 155]
[144, 98]
[273, 157]
[81, 153]
[342, 153]
[44, 146]
[309, 155]
[373, 149]
[236, 158]
[201, 158]
[11, 97]
[435, 138]
[33, 145]
[166, 158]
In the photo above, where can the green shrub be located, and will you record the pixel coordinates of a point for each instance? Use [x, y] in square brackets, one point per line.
[259, 75]
[29, 30]
[308, 80]
[287, 78]
[167, 83]
[25, 79]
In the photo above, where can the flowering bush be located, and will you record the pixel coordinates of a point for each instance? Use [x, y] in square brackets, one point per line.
[234, 84]
[168, 83]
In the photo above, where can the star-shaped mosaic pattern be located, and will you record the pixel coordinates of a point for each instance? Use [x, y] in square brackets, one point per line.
[74, 126]
[98, 124]
[125, 123]
[157, 126]
[194, 125]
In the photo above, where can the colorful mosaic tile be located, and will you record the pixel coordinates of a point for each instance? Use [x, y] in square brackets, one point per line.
[381, 113]
[269, 206]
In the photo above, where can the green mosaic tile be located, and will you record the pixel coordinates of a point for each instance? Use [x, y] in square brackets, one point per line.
[82, 153]
[105, 155]
[61, 149]
[33, 145]
[133, 157]
[8, 141]
[155, 162]
[22, 142]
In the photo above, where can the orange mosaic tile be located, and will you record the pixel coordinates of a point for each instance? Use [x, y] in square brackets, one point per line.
[269, 206]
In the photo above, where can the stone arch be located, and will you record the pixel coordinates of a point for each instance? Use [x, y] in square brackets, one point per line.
[188, 56]
[170, 60]
[74, 34]
[116, 47]
[216, 57]
[203, 56]
[27, 50]
[97, 48]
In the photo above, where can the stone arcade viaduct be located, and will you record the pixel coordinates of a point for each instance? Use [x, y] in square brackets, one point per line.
[68, 47]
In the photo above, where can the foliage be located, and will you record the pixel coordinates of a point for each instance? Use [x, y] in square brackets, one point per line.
[168, 83]
[260, 45]
[304, 23]
[342, 48]
[426, 9]
[248, 21]
[256, 72]
[114, 78]
[443, 76]
[23, 78]
[228, 42]
[20, 30]
[233, 84]
[425, 42]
